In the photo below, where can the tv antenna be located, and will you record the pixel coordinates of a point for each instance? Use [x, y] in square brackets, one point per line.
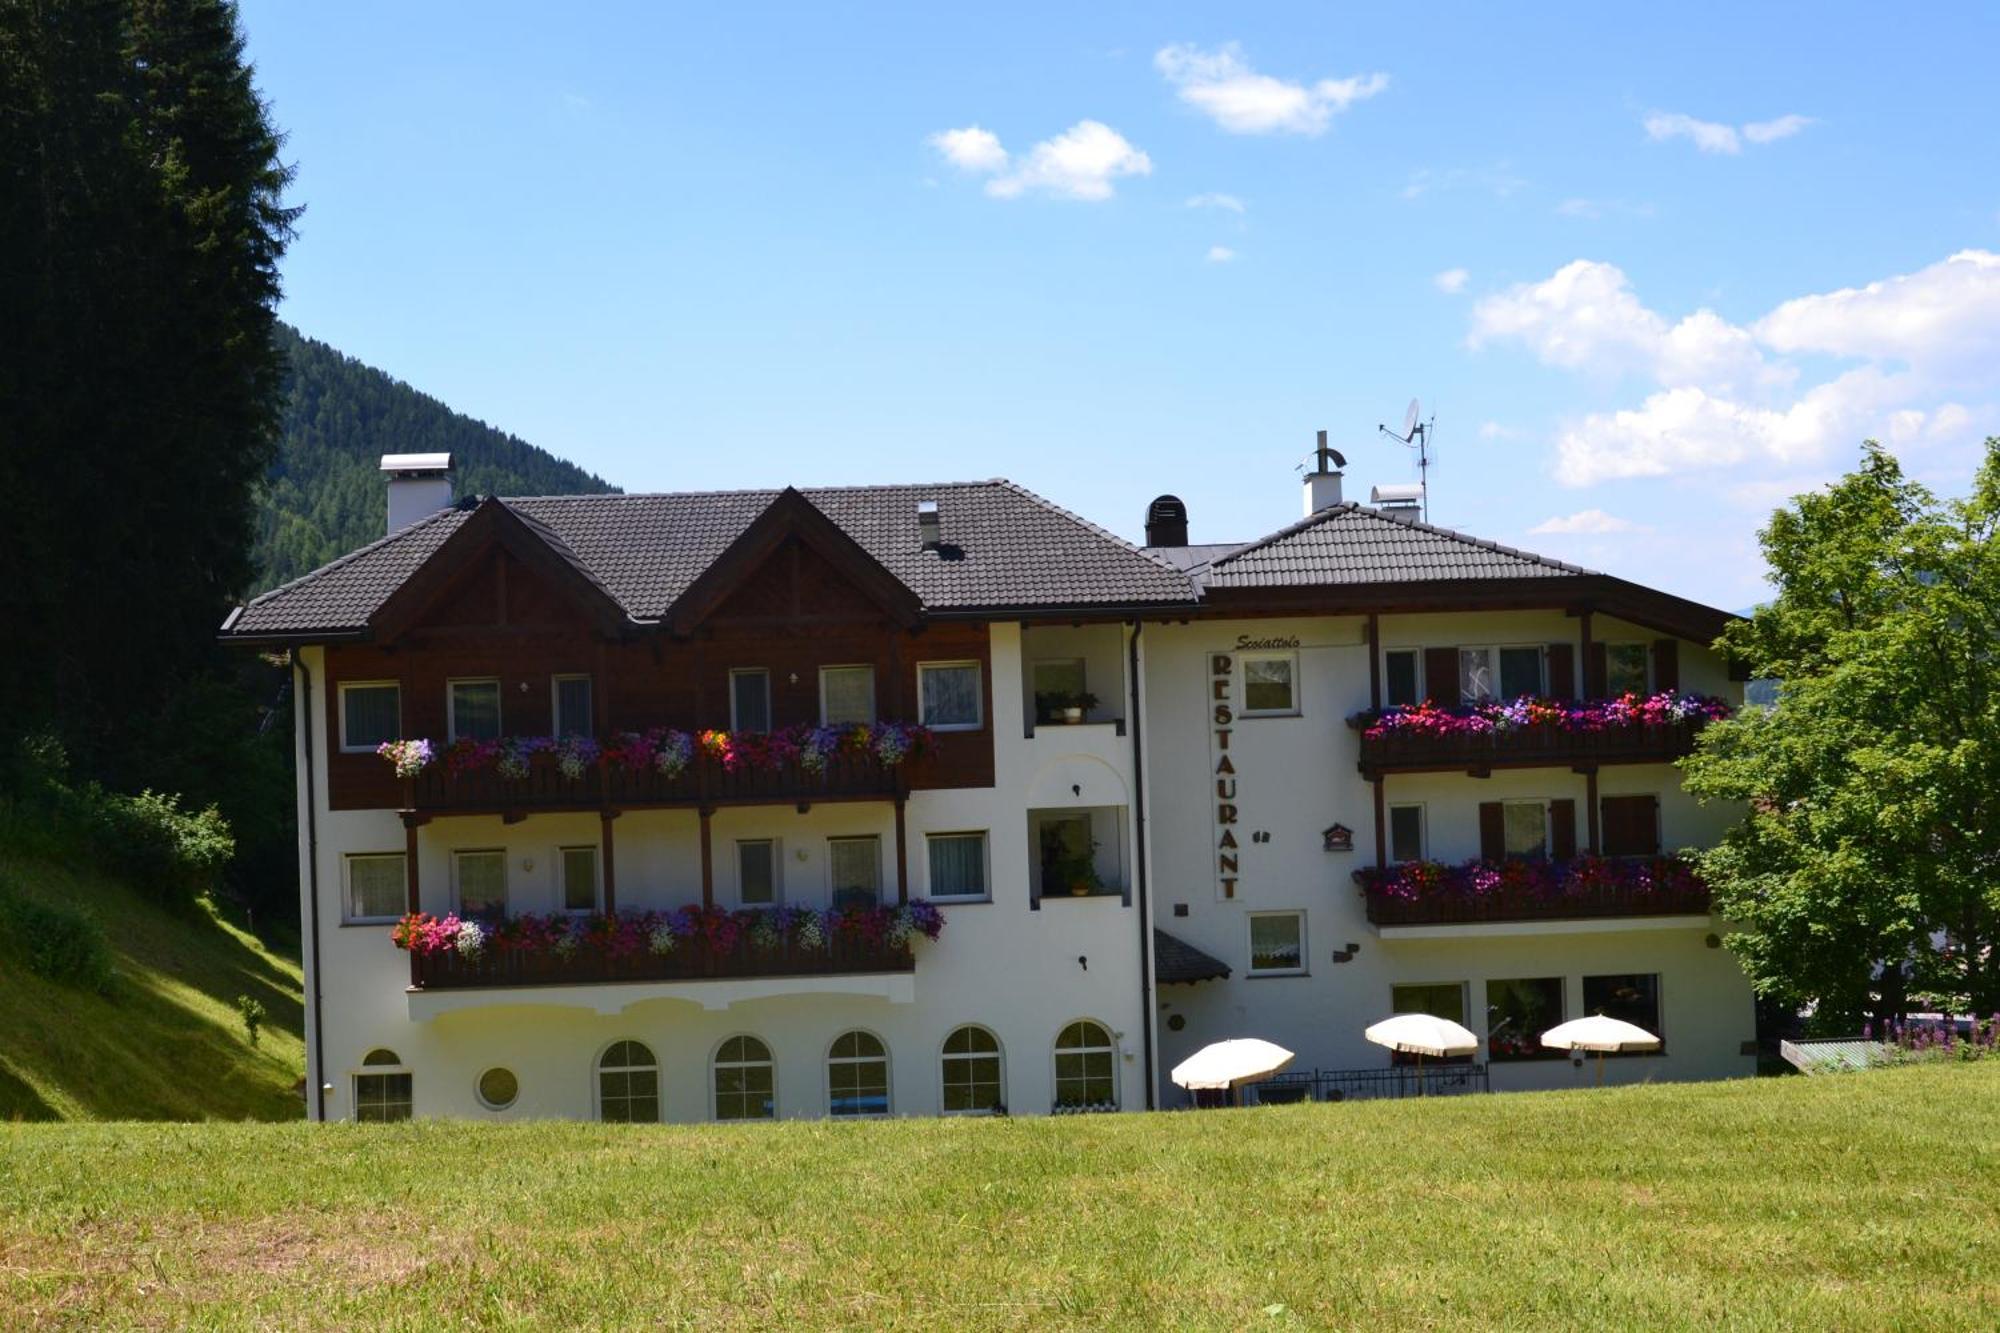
[1416, 434]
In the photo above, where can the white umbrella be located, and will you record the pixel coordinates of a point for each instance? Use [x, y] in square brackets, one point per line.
[1225, 1064]
[1421, 1035]
[1600, 1033]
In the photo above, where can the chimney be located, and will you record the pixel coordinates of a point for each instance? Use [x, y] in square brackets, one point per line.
[1166, 522]
[419, 486]
[927, 525]
[1322, 489]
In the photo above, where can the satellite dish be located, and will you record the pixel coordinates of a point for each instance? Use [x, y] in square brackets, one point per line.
[1410, 419]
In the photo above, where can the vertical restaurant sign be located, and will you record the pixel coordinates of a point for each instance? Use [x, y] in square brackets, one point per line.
[1222, 718]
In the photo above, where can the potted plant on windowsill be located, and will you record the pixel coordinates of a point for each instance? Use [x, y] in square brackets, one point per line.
[1076, 707]
[1077, 872]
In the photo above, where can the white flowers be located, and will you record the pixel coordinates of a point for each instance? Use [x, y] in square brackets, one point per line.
[469, 940]
[662, 940]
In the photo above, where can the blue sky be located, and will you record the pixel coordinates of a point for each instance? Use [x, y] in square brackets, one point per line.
[1653, 271]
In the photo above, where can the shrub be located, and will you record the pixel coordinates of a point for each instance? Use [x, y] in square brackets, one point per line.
[252, 1011]
[58, 942]
[169, 853]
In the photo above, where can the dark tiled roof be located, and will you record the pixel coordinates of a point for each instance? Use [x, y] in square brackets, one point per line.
[1003, 548]
[1175, 961]
[1191, 557]
[1353, 544]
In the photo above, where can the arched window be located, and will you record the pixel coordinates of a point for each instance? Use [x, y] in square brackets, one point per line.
[628, 1083]
[972, 1082]
[857, 1075]
[745, 1087]
[384, 1092]
[1086, 1068]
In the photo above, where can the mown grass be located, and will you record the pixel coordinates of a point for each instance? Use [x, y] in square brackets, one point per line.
[165, 1040]
[1861, 1201]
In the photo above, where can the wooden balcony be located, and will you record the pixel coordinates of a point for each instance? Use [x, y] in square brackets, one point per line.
[1507, 903]
[1544, 746]
[704, 782]
[496, 968]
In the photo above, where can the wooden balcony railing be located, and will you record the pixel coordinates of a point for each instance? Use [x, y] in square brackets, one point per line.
[497, 967]
[1543, 746]
[846, 776]
[1538, 900]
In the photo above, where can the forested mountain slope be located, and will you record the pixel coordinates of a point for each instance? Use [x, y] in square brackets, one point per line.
[324, 496]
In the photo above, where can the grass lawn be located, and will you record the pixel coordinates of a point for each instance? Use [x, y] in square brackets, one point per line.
[168, 1042]
[1855, 1201]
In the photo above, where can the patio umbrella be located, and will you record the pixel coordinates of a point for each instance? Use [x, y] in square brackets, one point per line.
[1601, 1034]
[1421, 1035]
[1228, 1064]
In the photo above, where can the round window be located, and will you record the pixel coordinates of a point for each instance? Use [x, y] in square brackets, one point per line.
[498, 1088]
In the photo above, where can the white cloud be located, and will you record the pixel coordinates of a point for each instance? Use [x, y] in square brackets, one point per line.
[1715, 137]
[1728, 395]
[1948, 312]
[1220, 254]
[970, 149]
[1493, 430]
[1221, 85]
[1498, 180]
[1584, 521]
[1080, 163]
[1770, 131]
[1451, 281]
[1228, 203]
[1595, 210]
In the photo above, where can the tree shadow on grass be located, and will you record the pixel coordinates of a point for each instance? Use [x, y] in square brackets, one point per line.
[19, 1100]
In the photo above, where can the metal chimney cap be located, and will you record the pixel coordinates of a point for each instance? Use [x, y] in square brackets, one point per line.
[405, 464]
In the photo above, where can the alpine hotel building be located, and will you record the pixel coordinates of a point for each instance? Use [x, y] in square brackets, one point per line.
[939, 799]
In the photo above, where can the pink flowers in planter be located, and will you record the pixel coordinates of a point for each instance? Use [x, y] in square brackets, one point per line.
[1474, 881]
[1667, 708]
[667, 751]
[706, 930]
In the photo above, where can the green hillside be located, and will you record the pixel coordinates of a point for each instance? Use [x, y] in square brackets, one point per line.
[1851, 1201]
[324, 496]
[166, 1040]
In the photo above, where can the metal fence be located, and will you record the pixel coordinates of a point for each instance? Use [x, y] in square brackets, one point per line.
[1346, 1085]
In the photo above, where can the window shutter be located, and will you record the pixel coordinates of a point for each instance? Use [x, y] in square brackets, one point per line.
[1492, 832]
[1631, 825]
[1562, 671]
[1595, 672]
[1666, 664]
[1562, 830]
[1441, 676]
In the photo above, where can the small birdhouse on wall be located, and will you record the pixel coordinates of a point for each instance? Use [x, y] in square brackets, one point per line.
[1339, 838]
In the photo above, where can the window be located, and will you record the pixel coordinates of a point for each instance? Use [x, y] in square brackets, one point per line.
[1527, 825]
[378, 887]
[1498, 673]
[1277, 943]
[497, 1089]
[1631, 825]
[1270, 684]
[369, 715]
[1403, 678]
[1625, 669]
[846, 694]
[384, 1092]
[1438, 999]
[1518, 1013]
[572, 706]
[628, 1084]
[1057, 681]
[1086, 1070]
[475, 709]
[958, 865]
[1634, 997]
[857, 1075]
[972, 1072]
[750, 699]
[948, 697]
[579, 878]
[1068, 854]
[1406, 833]
[744, 1081]
[479, 882]
[757, 872]
[857, 871]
